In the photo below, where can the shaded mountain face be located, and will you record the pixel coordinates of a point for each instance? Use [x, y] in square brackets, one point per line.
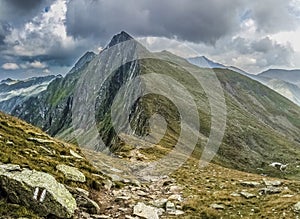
[15, 92]
[262, 126]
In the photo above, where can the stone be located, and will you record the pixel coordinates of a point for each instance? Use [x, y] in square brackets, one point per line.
[270, 190]
[101, 216]
[248, 195]
[91, 206]
[160, 203]
[38, 191]
[10, 167]
[144, 211]
[71, 173]
[175, 198]
[82, 192]
[273, 183]
[115, 178]
[217, 206]
[250, 184]
[287, 196]
[177, 212]
[297, 207]
[175, 189]
[41, 141]
[170, 207]
[141, 193]
[129, 217]
[74, 154]
[235, 194]
[108, 184]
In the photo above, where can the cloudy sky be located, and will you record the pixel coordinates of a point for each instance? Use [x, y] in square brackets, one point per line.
[40, 37]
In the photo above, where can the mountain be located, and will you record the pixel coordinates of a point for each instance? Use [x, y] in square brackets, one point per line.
[204, 62]
[280, 81]
[14, 92]
[262, 126]
[291, 76]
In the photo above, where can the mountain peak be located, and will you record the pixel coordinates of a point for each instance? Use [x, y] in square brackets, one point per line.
[119, 38]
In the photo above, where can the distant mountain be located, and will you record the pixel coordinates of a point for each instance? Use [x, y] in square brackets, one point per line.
[14, 92]
[291, 76]
[262, 126]
[204, 62]
[284, 82]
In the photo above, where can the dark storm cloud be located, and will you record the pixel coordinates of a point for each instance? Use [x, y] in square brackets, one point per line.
[24, 5]
[191, 20]
[17, 12]
[272, 16]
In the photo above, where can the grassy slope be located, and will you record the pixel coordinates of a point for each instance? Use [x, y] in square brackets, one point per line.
[16, 148]
[215, 185]
[262, 126]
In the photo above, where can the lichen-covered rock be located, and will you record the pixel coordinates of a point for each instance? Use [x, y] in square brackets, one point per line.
[38, 191]
[145, 211]
[71, 173]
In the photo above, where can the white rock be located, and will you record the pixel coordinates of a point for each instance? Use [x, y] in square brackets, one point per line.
[145, 211]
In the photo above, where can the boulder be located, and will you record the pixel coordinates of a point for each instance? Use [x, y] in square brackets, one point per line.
[37, 190]
[145, 211]
[71, 173]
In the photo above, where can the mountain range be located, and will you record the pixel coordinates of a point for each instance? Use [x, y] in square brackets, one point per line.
[134, 97]
[262, 126]
[284, 82]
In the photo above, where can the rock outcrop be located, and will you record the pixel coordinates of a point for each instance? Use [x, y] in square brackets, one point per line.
[36, 190]
[71, 173]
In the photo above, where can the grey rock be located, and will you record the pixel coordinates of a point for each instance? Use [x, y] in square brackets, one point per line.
[170, 207]
[71, 173]
[175, 198]
[250, 184]
[38, 191]
[217, 206]
[101, 216]
[10, 167]
[108, 184]
[160, 203]
[145, 211]
[270, 190]
[235, 194]
[76, 155]
[85, 202]
[248, 195]
[297, 207]
[273, 183]
[115, 178]
[41, 141]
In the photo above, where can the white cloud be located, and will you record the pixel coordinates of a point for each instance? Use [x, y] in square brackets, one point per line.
[10, 66]
[39, 36]
[35, 64]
